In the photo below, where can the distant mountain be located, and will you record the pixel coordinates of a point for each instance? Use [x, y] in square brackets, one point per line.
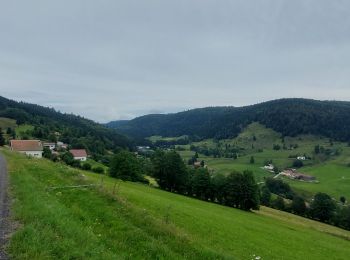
[289, 117]
[117, 123]
[50, 124]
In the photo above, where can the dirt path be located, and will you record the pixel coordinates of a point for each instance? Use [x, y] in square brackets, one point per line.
[4, 210]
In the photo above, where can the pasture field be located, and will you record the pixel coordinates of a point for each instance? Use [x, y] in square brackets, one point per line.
[7, 122]
[333, 174]
[94, 164]
[156, 138]
[122, 220]
[21, 130]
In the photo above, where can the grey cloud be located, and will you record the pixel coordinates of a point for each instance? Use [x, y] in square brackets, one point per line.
[119, 59]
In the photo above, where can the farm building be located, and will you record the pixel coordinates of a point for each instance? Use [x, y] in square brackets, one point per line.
[305, 177]
[32, 148]
[79, 154]
[293, 174]
[197, 164]
[51, 146]
[269, 167]
[62, 145]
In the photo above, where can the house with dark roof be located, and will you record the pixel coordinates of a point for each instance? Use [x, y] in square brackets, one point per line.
[79, 154]
[33, 148]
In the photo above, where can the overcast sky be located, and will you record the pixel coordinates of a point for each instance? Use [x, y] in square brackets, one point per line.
[114, 59]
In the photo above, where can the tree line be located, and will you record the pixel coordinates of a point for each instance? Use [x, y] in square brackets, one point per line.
[237, 189]
[321, 207]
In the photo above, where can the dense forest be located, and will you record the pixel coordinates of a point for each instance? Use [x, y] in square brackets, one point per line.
[52, 125]
[290, 117]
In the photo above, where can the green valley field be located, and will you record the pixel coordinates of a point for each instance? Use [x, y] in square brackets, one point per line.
[122, 220]
[332, 173]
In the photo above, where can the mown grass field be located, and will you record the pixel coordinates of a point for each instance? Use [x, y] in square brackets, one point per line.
[122, 220]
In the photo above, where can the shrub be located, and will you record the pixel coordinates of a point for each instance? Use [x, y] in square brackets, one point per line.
[86, 166]
[298, 164]
[47, 153]
[98, 169]
[76, 164]
[276, 147]
[265, 197]
[342, 199]
[298, 206]
[279, 203]
[54, 157]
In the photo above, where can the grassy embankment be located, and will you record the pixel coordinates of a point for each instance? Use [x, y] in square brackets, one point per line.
[138, 221]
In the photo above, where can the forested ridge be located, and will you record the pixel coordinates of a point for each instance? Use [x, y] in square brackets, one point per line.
[74, 130]
[290, 117]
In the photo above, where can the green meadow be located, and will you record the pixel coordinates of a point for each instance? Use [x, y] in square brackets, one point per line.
[156, 138]
[333, 174]
[7, 122]
[122, 220]
[22, 130]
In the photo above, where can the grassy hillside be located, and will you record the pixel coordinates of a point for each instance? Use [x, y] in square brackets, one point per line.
[24, 131]
[133, 221]
[333, 174]
[7, 122]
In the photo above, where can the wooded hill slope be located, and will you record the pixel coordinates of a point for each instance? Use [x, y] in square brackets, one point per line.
[290, 117]
[50, 124]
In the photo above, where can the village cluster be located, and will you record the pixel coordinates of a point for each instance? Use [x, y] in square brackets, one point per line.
[35, 148]
[291, 173]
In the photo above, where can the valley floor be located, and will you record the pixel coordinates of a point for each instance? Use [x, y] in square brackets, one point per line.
[122, 220]
[332, 174]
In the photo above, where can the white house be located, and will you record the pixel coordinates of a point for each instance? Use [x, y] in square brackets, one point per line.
[79, 154]
[269, 167]
[51, 146]
[33, 148]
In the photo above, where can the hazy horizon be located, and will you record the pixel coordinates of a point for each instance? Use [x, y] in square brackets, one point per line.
[116, 60]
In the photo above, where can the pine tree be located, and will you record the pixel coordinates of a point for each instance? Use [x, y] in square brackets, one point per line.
[265, 196]
[298, 205]
[242, 191]
[322, 207]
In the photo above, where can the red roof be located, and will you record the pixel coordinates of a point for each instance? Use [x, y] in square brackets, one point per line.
[26, 145]
[78, 152]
